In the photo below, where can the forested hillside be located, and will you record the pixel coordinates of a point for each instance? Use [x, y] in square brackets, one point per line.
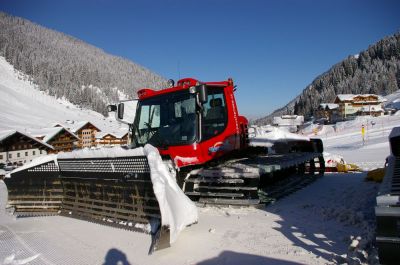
[67, 67]
[375, 70]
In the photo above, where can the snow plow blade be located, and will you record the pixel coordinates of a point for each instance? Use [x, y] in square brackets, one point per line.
[117, 191]
[36, 190]
[114, 191]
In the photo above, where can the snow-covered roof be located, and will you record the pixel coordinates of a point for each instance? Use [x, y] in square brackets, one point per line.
[8, 133]
[79, 125]
[348, 97]
[100, 135]
[49, 133]
[58, 124]
[330, 106]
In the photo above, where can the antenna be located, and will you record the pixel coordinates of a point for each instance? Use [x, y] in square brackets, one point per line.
[179, 69]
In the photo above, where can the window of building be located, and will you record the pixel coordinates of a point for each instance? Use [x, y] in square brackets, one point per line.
[33, 152]
[1, 156]
[26, 153]
[9, 155]
[40, 151]
[18, 154]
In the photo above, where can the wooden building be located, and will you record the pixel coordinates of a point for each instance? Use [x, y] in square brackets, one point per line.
[363, 104]
[328, 112]
[60, 138]
[111, 139]
[18, 147]
[86, 133]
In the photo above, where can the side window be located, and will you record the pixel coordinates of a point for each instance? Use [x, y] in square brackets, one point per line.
[214, 115]
[150, 116]
[188, 106]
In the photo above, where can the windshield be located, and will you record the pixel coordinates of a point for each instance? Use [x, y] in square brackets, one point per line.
[166, 120]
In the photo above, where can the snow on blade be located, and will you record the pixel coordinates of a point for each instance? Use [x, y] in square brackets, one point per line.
[116, 151]
[35, 162]
[177, 210]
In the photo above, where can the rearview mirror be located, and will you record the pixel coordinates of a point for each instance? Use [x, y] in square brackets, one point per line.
[120, 112]
[126, 111]
[202, 93]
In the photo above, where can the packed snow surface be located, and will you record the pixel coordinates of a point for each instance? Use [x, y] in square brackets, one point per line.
[315, 225]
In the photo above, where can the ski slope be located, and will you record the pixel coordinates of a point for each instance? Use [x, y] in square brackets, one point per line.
[23, 106]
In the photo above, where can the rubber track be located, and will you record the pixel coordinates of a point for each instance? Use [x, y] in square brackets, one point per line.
[253, 181]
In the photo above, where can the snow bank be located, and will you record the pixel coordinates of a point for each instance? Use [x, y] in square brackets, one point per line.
[177, 210]
[267, 136]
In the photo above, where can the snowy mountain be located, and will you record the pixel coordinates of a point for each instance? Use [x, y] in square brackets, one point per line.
[67, 67]
[24, 106]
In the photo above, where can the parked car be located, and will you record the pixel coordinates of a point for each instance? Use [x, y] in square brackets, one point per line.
[9, 167]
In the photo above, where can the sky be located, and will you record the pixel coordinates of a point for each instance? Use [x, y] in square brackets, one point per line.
[271, 49]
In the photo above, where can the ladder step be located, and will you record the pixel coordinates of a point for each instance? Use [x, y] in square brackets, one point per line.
[214, 180]
[228, 188]
[236, 202]
[213, 194]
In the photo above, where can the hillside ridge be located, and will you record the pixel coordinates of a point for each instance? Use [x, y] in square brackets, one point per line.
[375, 70]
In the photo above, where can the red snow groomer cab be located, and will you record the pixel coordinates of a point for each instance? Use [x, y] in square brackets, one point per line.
[192, 122]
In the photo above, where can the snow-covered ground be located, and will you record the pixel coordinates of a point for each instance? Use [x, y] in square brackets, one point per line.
[312, 226]
[329, 221]
[23, 106]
